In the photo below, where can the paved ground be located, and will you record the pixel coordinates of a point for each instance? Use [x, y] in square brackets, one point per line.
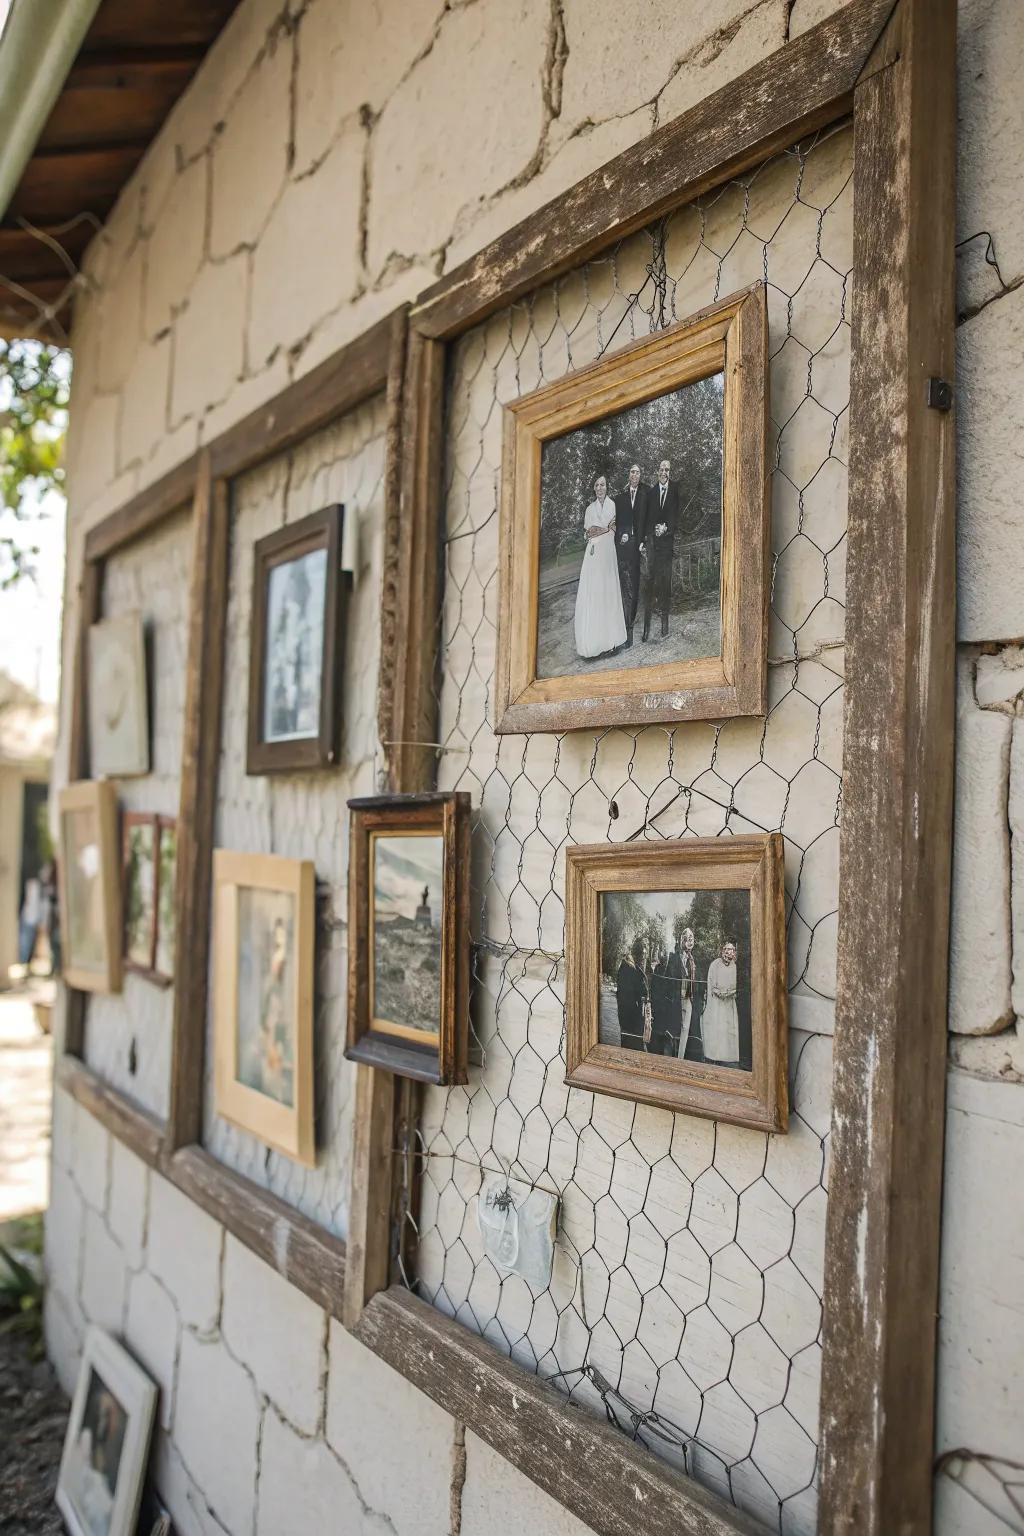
[26, 1057]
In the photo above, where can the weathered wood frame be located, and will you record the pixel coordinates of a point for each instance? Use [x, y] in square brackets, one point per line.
[731, 338]
[751, 862]
[159, 824]
[97, 797]
[446, 816]
[890, 62]
[320, 530]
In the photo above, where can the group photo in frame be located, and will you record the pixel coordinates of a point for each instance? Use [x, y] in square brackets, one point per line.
[106, 1446]
[150, 857]
[676, 975]
[90, 886]
[634, 536]
[118, 695]
[408, 923]
[299, 600]
[264, 943]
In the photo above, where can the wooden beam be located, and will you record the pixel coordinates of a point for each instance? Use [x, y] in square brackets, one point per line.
[800, 87]
[882, 1235]
[204, 687]
[133, 1126]
[369, 1217]
[145, 511]
[612, 1485]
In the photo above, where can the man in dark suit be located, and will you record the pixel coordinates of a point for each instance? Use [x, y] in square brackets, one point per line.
[629, 522]
[631, 997]
[658, 541]
[683, 970]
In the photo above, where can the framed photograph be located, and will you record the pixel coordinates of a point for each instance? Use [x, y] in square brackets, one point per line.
[676, 975]
[118, 698]
[263, 998]
[150, 852]
[90, 887]
[99, 1486]
[408, 935]
[299, 599]
[634, 541]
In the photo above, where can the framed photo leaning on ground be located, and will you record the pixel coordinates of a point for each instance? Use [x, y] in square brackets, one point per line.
[408, 931]
[89, 867]
[106, 1446]
[299, 599]
[676, 975]
[264, 915]
[635, 519]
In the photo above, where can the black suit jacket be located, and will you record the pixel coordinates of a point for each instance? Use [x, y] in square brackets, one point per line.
[660, 546]
[629, 518]
[630, 996]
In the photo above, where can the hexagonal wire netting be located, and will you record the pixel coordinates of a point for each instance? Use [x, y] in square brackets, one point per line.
[685, 1298]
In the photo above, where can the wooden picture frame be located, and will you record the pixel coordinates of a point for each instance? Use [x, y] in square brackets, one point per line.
[729, 338]
[106, 1445]
[303, 749]
[158, 963]
[283, 1119]
[439, 1056]
[756, 1097]
[98, 883]
[118, 696]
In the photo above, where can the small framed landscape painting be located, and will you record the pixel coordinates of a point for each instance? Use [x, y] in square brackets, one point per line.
[263, 998]
[634, 533]
[408, 925]
[103, 1465]
[90, 887]
[118, 698]
[150, 853]
[298, 621]
[676, 975]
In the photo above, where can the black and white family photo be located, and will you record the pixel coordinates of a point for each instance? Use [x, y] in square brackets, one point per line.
[675, 974]
[631, 536]
[296, 594]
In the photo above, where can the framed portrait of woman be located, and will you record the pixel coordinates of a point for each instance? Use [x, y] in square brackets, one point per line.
[676, 975]
[634, 537]
[90, 886]
[106, 1445]
[408, 927]
[263, 998]
[299, 597]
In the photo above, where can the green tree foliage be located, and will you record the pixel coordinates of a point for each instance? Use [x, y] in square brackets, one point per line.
[684, 426]
[34, 392]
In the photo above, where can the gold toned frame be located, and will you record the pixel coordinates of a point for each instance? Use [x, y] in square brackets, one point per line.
[289, 1128]
[441, 1057]
[731, 337]
[757, 1098]
[100, 799]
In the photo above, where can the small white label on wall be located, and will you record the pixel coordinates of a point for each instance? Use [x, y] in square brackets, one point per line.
[517, 1224]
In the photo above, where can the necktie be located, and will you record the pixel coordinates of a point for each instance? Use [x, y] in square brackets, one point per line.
[663, 496]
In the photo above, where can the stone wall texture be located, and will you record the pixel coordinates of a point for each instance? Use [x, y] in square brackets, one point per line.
[327, 163]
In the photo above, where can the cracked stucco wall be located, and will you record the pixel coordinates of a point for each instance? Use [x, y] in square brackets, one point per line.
[327, 163]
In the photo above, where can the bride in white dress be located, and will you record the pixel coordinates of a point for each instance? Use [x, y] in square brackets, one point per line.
[720, 1023]
[599, 622]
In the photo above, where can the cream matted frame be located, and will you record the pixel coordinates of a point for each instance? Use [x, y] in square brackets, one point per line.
[288, 1128]
[99, 799]
[752, 862]
[730, 337]
[136, 1394]
[124, 754]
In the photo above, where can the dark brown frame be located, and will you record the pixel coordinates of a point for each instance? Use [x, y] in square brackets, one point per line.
[729, 337]
[320, 530]
[752, 862]
[446, 816]
[892, 64]
[131, 819]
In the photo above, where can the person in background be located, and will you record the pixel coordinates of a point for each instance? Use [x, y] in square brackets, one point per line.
[28, 922]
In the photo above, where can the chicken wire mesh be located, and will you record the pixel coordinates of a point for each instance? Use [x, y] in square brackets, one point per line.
[685, 1297]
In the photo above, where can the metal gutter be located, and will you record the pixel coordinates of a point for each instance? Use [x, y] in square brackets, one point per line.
[37, 48]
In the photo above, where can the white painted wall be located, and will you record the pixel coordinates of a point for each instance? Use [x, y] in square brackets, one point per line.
[328, 161]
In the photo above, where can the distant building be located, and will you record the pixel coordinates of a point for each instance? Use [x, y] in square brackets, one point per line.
[27, 731]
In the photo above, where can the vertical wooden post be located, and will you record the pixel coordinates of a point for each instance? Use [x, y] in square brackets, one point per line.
[90, 609]
[204, 689]
[882, 1237]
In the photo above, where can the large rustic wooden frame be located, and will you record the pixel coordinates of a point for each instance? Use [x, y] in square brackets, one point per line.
[731, 338]
[892, 63]
[752, 862]
[442, 815]
[320, 530]
[288, 1127]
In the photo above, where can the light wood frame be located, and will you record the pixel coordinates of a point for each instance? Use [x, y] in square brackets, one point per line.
[320, 530]
[160, 825]
[136, 1394]
[753, 862]
[892, 64]
[98, 798]
[730, 337]
[129, 627]
[288, 1127]
[439, 815]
